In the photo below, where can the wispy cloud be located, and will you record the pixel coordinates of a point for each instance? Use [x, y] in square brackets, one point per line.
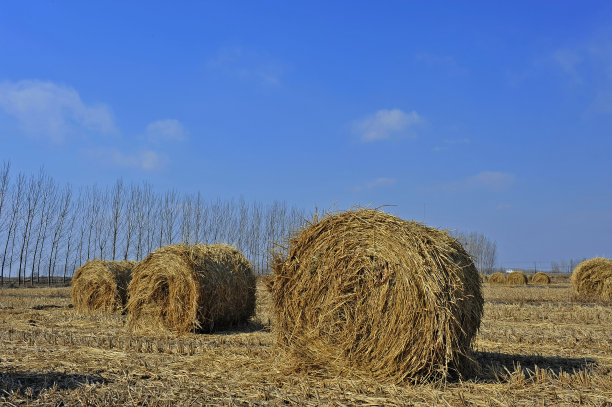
[568, 61]
[446, 143]
[494, 181]
[375, 183]
[447, 63]
[146, 160]
[248, 65]
[386, 123]
[52, 111]
[166, 130]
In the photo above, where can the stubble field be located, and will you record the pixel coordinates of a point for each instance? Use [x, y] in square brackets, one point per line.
[537, 346]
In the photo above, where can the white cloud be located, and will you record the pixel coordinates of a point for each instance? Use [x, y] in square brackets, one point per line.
[248, 65]
[146, 160]
[385, 123]
[375, 183]
[51, 111]
[166, 130]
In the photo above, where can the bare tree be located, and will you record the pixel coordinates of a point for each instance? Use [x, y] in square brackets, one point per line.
[63, 211]
[46, 213]
[30, 208]
[117, 203]
[131, 219]
[15, 199]
[482, 250]
[4, 184]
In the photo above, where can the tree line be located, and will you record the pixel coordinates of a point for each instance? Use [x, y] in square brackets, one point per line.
[49, 230]
[482, 250]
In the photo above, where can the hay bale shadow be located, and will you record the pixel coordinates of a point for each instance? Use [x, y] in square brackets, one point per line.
[494, 365]
[31, 384]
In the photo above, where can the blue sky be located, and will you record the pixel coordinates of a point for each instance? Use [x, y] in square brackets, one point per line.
[493, 117]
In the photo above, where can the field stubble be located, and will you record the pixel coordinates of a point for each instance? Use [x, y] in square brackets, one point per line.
[536, 346]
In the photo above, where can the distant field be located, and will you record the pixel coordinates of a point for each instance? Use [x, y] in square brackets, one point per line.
[536, 346]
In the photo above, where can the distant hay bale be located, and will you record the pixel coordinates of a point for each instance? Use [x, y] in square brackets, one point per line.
[497, 278]
[540, 278]
[101, 286]
[483, 278]
[517, 278]
[593, 278]
[191, 288]
[367, 292]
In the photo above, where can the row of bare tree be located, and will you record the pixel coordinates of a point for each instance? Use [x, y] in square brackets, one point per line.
[482, 250]
[48, 229]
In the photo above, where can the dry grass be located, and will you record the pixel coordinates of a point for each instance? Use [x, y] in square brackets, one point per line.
[364, 292]
[101, 286]
[592, 279]
[191, 288]
[535, 347]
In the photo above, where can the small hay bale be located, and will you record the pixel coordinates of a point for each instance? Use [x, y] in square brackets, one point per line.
[483, 278]
[540, 278]
[367, 292]
[497, 278]
[101, 286]
[591, 278]
[191, 288]
[517, 278]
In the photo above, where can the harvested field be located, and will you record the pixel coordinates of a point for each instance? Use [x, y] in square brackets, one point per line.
[536, 346]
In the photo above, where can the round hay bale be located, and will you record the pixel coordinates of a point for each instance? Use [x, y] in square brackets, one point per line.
[497, 278]
[590, 278]
[606, 291]
[540, 278]
[368, 292]
[517, 278]
[101, 286]
[191, 288]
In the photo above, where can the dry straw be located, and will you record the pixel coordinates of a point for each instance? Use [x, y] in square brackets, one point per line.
[101, 286]
[366, 292]
[497, 278]
[540, 278]
[517, 278]
[483, 278]
[593, 278]
[191, 288]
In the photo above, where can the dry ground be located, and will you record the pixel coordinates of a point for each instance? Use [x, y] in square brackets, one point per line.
[537, 346]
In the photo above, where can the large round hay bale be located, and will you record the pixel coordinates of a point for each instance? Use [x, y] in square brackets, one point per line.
[497, 278]
[101, 286]
[516, 278]
[540, 278]
[191, 288]
[606, 291]
[590, 278]
[367, 292]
